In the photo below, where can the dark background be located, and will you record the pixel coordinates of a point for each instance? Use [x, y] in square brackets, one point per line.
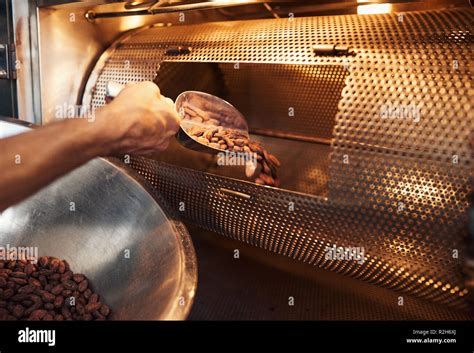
[7, 87]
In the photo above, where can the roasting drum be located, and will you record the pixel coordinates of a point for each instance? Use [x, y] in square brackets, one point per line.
[397, 187]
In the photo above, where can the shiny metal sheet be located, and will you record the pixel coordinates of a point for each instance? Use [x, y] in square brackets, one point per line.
[397, 187]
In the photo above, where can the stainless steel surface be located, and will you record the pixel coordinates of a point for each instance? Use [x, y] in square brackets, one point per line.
[165, 7]
[209, 104]
[200, 5]
[392, 187]
[274, 8]
[113, 214]
[272, 96]
[56, 43]
[27, 60]
[262, 282]
[68, 48]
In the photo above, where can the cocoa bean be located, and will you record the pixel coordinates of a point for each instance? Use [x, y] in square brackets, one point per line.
[46, 272]
[43, 261]
[54, 265]
[34, 282]
[18, 311]
[43, 280]
[3, 314]
[28, 289]
[66, 276]
[19, 297]
[58, 302]
[57, 289]
[17, 274]
[30, 268]
[48, 297]
[71, 285]
[80, 308]
[78, 278]
[104, 310]
[94, 298]
[19, 281]
[37, 315]
[34, 292]
[32, 308]
[6, 294]
[62, 267]
[98, 315]
[83, 285]
[54, 277]
[65, 312]
[93, 306]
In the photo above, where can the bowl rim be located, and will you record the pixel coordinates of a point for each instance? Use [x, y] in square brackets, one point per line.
[189, 267]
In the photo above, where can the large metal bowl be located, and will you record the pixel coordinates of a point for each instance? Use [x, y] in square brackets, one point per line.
[107, 223]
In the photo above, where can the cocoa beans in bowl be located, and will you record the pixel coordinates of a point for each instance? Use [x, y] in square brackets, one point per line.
[110, 227]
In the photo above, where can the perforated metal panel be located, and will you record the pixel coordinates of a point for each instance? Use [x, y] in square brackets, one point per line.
[396, 186]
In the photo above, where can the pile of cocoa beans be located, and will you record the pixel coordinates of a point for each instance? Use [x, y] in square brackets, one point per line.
[214, 131]
[47, 290]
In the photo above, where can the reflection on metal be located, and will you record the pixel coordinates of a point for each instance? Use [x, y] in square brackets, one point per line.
[200, 5]
[159, 7]
[387, 184]
[137, 4]
[27, 62]
[374, 9]
[234, 193]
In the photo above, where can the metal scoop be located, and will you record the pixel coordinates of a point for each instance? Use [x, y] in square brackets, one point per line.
[198, 109]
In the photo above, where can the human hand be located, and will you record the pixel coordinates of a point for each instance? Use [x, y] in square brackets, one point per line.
[139, 120]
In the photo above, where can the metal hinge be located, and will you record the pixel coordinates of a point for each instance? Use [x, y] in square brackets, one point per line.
[332, 49]
[7, 62]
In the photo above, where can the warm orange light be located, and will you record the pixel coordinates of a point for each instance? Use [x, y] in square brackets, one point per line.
[373, 9]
